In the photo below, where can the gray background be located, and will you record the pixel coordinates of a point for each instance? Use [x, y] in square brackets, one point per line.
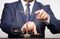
[55, 6]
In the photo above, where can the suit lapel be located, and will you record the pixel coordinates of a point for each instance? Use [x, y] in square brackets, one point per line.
[35, 8]
[21, 10]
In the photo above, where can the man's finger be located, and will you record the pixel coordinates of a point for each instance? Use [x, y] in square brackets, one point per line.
[45, 17]
[23, 27]
[38, 17]
[39, 11]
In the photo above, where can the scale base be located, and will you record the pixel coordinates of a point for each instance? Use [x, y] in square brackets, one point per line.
[21, 34]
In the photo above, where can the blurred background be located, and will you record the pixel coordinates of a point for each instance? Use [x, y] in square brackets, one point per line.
[55, 6]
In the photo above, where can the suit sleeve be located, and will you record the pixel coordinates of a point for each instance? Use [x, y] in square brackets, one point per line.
[54, 24]
[7, 22]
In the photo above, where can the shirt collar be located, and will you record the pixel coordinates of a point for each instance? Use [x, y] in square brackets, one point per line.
[31, 3]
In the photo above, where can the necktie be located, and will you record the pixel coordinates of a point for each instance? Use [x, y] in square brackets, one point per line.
[29, 16]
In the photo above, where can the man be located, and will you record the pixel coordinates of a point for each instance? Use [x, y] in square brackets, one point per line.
[14, 17]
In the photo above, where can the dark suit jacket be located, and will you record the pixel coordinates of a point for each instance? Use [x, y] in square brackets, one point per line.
[13, 17]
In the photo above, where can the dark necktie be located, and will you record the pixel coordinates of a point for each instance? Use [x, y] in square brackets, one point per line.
[29, 16]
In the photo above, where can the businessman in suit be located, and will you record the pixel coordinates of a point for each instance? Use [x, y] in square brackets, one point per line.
[39, 16]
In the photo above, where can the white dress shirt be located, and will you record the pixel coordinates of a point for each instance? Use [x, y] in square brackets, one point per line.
[31, 7]
[24, 5]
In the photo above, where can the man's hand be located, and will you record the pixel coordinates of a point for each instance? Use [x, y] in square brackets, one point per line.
[31, 27]
[42, 15]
